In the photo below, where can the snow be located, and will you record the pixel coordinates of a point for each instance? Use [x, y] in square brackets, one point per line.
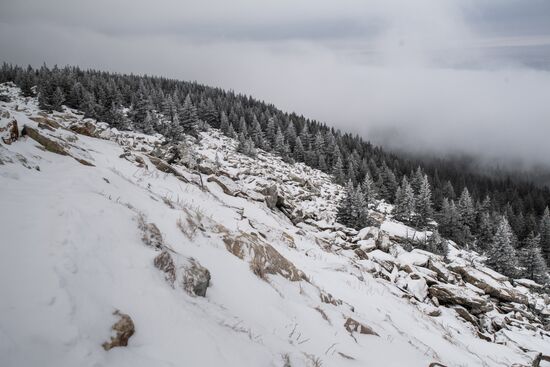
[72, 254]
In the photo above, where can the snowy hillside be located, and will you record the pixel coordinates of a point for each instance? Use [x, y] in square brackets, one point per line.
[219, 259]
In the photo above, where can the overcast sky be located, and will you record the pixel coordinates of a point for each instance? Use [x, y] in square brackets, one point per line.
[435, 75]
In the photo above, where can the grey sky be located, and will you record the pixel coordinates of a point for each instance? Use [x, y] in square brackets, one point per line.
[435, 75]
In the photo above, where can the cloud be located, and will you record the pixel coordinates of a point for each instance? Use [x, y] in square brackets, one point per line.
[429, 75]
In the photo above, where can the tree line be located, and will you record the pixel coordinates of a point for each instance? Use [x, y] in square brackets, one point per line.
[471, 209]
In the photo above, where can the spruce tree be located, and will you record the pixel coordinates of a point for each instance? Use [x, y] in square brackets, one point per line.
[188, 117]
[369, 189]
[224, 123]
[502, 256]
[404, 201]
[466, 209]
[423, 201]
[531, 260]
[299, 150]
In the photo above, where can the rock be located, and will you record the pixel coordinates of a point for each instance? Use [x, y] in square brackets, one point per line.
[442, 272]
[352, 325]
[84, 128]
[48, 144]
[196, 278]
[124, 329]
[417, 287]
[366, 234]
[412, 258]
[462, 312]
[382, 258]
[262, 257]
[165, 263]
[188, 273]
[328, 298]
[206, 168]
[528, 283]
[489, 285]
[166, 168]
[151, 235]
[12, 132]
[46, 121]
[271, 194]
[367, 245]
[455, 295]
[228, 186]
[383, 241]
[432, 311]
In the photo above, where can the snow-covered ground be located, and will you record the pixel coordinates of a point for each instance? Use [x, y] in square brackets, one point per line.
[287, 286]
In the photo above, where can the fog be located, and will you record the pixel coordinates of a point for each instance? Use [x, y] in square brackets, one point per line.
[429, 76]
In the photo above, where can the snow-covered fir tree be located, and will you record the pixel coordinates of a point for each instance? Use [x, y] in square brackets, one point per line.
[404, 201]
[502, 255]
[531, 260]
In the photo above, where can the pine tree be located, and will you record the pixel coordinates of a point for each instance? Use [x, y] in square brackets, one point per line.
[299, 150]
[466, 209]
[544, 230]
[531, 260]
[436, 244]
[338, 171]
[256, 133]
[502, 256]
[57, 99]
[290, 134]
[224, 123]
[423, 201]
[279, 143]
[369, 189]
[352, 209]
[188, 117]
[404, 201]
[345, 206]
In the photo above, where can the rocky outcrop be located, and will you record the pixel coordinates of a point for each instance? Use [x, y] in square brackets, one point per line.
[455, 295]
[489, 285]
[84, 128]
[166, 168]
[228, 186]
[124, 329]
[262, 257]
[48, 144]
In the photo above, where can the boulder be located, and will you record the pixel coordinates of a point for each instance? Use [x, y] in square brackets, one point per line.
[489, 285]
[185, 272]
[352, 326]
[166, 168]
[165, 263]
[48, 144]
[262, 257]
[271, 194]
[228, 186]
[84, 128]
[124, 329]
[383, 241]
[455, 295]
[196, 278]
[10, 133]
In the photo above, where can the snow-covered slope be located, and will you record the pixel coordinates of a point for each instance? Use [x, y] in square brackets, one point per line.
[95, 224]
